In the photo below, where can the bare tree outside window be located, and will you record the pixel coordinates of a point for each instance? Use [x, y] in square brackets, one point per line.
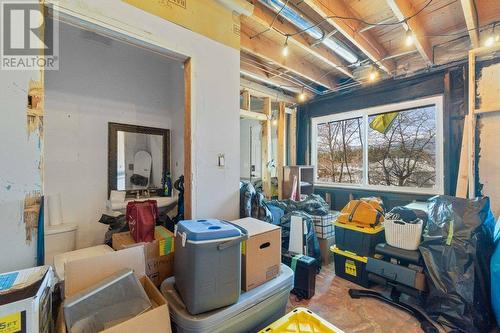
[340, 151]
[401, 149]
[405, 155]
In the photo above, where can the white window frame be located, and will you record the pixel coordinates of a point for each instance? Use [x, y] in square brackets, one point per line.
[437, 101]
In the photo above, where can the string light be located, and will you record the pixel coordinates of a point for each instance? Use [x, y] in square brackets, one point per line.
[373, 76]
[275, 122]
[285, 48]
[410, 38]
[492, 38]
[302, 95]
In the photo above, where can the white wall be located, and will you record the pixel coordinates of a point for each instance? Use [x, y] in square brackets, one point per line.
[215, 123]
[102, 80]
[214, 100]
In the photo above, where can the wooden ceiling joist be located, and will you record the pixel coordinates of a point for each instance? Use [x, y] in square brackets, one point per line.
[470, 14]
[403, 9]
[271, 51]
[274, 78]
[330, 9]
[264, 17]
[260, 90]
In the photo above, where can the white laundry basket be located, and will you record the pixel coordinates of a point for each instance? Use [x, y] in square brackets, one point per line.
[403, 235]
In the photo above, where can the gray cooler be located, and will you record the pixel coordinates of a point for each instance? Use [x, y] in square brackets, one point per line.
[207, 263]
[255, 309]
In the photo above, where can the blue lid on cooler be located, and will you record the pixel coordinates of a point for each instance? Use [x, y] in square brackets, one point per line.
[210, 229]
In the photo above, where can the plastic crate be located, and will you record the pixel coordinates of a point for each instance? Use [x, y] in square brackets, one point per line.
[359, 240]
[323, 225]
[301, 320]
[350, 266]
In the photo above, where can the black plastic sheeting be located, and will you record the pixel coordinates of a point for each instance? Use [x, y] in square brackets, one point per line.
[457, 247]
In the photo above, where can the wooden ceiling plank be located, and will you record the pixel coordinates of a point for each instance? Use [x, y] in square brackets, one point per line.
[403, 9]
[350, 29]
[271, 51]
[264, 17]
[470, 15]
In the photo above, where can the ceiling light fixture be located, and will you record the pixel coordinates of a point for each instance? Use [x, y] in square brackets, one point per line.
[373, 76]
[285, 50]
[302, 95]
[492, 38]
[410, 38]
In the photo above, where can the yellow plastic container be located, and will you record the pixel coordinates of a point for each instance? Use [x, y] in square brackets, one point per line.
[301, 320]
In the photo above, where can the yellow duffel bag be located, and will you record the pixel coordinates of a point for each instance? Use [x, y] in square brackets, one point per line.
[363, 212]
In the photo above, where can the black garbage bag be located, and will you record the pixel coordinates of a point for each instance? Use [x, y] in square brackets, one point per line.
[115, 224]
[456, 248]
[311, 240]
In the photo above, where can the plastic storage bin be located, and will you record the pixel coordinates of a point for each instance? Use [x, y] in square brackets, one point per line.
[255, 309]
[359, 240]
[403, 235]
[207, 263]
[301, 320]
[350, 266]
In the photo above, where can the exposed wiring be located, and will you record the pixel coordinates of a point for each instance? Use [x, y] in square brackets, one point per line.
[346, 18]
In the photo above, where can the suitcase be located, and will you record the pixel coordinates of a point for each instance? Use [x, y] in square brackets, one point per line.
[304, 268]
[254, 310]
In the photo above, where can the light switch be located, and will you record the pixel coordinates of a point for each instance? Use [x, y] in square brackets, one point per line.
[221, 161]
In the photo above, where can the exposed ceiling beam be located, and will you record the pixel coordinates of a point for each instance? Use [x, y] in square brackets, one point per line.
[271, 51]
[470, 15]
[264, 17]
[260, 90]
[350, 29]
[275, 80]
[403, 9]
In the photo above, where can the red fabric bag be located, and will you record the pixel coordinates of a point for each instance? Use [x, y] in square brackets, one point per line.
[141, 219]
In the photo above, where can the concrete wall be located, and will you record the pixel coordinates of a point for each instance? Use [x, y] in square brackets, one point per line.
[250, 147]
[99, 81]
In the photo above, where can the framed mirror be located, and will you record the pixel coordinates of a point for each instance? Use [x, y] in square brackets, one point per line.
[138, 157]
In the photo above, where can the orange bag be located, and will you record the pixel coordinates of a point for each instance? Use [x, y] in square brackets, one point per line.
[363, 212]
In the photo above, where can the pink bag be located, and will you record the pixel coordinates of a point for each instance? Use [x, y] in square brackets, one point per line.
[141, 218]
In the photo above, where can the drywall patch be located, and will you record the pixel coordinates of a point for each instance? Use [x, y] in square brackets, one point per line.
[488, 86]
[31, 211]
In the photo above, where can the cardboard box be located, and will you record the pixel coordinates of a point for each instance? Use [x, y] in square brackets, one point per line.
[159, 253]
[82, 274]
[26, 298]
[260, 254]
[324, 248]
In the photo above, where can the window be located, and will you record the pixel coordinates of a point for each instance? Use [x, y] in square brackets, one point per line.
[395, 147]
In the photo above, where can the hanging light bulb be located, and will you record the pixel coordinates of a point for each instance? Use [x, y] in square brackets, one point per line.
[373, 76]
[492, 38]
[302, 95]
[285, 48]
[410, 38]
[275, 122]
[489, 41]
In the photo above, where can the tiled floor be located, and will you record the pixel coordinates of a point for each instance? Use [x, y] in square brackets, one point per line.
[332, 302]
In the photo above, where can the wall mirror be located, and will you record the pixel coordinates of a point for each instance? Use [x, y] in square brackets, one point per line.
[138, 157]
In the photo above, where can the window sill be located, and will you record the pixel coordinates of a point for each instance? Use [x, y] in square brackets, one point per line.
[410, 191]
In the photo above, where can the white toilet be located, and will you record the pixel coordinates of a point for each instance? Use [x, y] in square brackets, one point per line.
[60, 237]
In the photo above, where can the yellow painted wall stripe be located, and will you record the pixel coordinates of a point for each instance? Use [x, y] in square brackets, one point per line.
[206, 17]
